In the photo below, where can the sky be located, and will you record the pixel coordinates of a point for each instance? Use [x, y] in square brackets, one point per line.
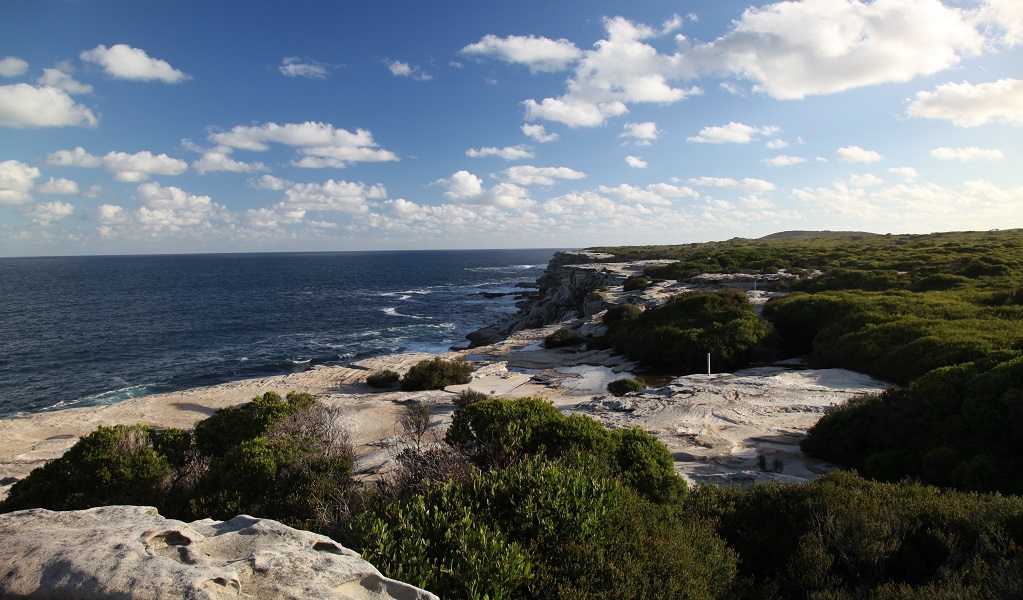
[131, 127]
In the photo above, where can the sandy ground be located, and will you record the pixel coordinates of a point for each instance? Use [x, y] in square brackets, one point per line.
[715, 425]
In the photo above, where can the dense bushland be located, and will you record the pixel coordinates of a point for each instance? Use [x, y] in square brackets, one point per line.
[680, 333]
[435, 374]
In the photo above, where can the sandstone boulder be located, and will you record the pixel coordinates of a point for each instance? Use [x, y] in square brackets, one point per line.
[133, 552]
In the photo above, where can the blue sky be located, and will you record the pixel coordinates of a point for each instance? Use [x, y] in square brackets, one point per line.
[154, 127]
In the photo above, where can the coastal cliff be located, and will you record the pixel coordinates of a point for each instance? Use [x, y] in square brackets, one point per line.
[571, 275]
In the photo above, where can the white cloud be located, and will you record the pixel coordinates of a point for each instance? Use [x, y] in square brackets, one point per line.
[865, 180]
[50, 212]
[1005, 16]
[330, 196]
[967, 154]
[171, 209]
[574, 112]
[776, 144]
[539, 133]
[857, 154]
[141, 165]
[125, 167]
[12, 66]
[530, 175]
[222, 161]
[635, 162]
[540, 54]
[909, 174]
[643, 133]
[23, 105]
[798, 48]
[461, 185]
[621, 69]
[269, 182]
[748, 184]
[737, 133]
[968, 105]
[922, 207]
[319, 144]
[73, 158]
[466, 188]
[16, 180]
[110, 214]
[783, 160]
[403, 69]
[658, 193]
[508, 152]
[58, 186]
[292, 66]
[125, 62]
[61, 80]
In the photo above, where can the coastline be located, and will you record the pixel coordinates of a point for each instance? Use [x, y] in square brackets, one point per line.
[717, 426]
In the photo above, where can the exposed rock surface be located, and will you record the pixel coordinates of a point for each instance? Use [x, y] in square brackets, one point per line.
[133, 552]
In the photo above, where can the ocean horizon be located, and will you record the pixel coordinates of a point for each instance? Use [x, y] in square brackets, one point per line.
[90, 330]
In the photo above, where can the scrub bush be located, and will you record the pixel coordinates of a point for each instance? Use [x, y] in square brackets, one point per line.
[435, 374]
[620, 387]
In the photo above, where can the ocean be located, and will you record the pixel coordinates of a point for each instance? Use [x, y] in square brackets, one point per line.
[82, 331]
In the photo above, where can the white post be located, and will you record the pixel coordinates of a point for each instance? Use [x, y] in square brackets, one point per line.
[708, 363]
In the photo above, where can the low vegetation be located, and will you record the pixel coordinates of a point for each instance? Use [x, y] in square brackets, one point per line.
[383, 379]
[625, 385]
[436, 374]
[561, 338]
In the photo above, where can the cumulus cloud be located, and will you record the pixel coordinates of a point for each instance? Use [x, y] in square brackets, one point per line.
[776, 144]
[540, 54]
[293, 66]
[330, 196]
[658, 193]
[58, 186]
[318, 144]
[736, 133]
[783, 160]
[967, 154]
[61, 80]
[857, 154]
[635, 162]
[793, 49]
[466, 188]
[530, 175]
[865, 180]
[48, 213]
[403, 69]
[642, 133]
[621, 69]
[269, 182]
[12, 66]
[213, 160]
[539, 133]
[968, 105]
[16, 180]
[748, 184]
[1006, 18]
[23, 105]
[508, 152]
[125, 62]
[922, 207]
[125, 167]
[908, 174]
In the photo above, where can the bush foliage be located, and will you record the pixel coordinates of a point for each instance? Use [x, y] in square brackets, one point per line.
[562, 337]
[435, 374]
[620, 387]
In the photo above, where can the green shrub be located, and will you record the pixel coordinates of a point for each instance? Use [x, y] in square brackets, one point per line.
[112, 465]
[680, 333]
[383, 379]
[621, 312]
[620, 387]
[562, 337]
[232, 425]
[468, 396]
[435, 374]
[636, 282]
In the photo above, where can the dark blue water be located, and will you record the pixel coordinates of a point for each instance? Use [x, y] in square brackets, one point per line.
[92, 330]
